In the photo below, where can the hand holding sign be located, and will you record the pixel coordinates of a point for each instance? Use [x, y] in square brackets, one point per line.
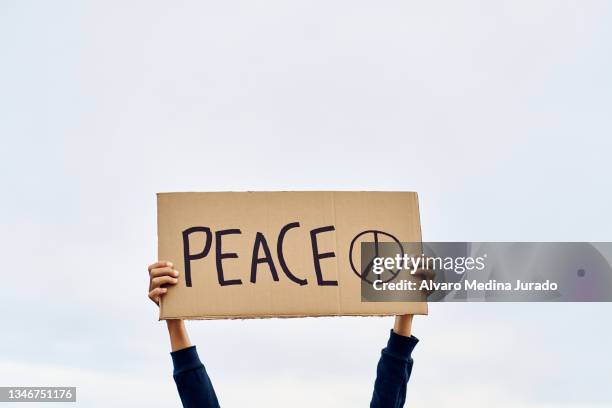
[161, 273]
[403, 323]
[426, 274]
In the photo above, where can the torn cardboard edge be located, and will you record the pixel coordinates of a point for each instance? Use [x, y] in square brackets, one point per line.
[276, 316]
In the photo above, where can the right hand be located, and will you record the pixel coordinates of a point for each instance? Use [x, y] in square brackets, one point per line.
[161, 274]
[403, 323]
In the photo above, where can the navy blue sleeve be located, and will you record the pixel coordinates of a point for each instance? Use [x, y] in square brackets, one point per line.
[194, 386]
[393, 372]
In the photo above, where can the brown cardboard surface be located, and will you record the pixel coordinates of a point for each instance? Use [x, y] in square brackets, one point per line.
[266, 213]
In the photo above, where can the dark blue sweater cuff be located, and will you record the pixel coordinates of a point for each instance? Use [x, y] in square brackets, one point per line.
[401, 345]
[185, 359]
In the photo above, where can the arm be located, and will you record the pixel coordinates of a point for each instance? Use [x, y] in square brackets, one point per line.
[192, 381]
[395, 366]
[403, 325]
[179, 339]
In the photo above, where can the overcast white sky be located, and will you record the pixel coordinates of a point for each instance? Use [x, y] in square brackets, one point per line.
[497, 112]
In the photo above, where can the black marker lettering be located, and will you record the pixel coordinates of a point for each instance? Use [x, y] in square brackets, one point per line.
[317, 256]
[221, 256]
[260, 241]
[281, 257]
[187, 256]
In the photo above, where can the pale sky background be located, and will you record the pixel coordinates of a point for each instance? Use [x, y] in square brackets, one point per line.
[499, 113]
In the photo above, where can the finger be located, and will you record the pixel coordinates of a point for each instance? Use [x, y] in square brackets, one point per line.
[163, 280]
[165, 271]
[418, 262]
[426, 274]
[159, 264]
[157, 293]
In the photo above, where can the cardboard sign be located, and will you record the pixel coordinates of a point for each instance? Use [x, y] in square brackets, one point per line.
[277, 254]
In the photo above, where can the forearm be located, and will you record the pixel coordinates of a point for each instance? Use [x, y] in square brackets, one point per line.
[179, 339]
[393, 371]
[192, 381]
[403, 325]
